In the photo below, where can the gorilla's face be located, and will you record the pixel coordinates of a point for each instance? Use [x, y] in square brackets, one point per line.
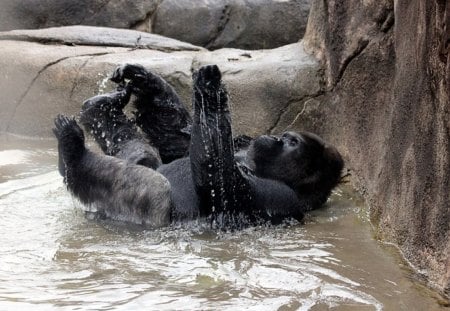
[300, 160]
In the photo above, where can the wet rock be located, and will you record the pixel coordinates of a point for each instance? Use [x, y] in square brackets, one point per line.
[46, 72]
[29, 14]
[386, 106]
[246, 24]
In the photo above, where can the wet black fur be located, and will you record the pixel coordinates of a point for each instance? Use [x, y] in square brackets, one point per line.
[102, 116]
[270, 179]
[160, 112]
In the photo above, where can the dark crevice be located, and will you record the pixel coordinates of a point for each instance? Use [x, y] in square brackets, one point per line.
[388, 22]
[359, 50]
[99, 9]
[149, 16]
[224, 19]
[24, 95]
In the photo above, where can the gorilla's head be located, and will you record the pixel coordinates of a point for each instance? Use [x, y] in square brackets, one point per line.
[301, 160]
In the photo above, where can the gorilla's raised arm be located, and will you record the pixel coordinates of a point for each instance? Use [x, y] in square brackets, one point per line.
[224, 193]
[111, 187]
[160, 111]
[229, 192]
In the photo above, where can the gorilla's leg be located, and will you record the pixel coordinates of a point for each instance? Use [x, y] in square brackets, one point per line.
[160, 112]
[223, 190]
[113, 187]
[103, 117]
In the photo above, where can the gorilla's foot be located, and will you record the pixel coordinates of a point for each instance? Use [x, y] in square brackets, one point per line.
[209, 92]
[70, 142]
[208, 77]
[103, 117]
[133, 72]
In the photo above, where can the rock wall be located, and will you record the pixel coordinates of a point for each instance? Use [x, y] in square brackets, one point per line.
[248, 24]
[384, 100]
[245, 24]
[386, 105]
[31, 14]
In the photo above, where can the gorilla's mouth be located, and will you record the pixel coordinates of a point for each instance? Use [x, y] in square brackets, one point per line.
[264, 148]
[266, 142]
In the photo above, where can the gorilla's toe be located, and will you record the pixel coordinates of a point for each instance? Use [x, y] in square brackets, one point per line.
[209, 76]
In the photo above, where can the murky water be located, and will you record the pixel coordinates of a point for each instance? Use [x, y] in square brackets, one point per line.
[53, 258]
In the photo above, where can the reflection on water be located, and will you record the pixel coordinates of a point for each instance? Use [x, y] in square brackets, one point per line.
[52, 257]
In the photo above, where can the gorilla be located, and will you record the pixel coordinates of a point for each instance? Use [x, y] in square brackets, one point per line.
[164, 166]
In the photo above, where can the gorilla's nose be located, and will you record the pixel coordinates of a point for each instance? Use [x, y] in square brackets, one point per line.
[277, 139]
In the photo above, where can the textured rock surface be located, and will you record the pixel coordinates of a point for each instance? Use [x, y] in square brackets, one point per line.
[248, 24]
[386, 105]
[45, 72]
[99, 36]
[29, 14]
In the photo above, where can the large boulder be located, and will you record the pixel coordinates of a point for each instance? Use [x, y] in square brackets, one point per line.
[29, 14]
[247, 24]
[51, 71]
[386, 105]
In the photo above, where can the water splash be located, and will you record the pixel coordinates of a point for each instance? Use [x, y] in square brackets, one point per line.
[103, 83]
[53, 258]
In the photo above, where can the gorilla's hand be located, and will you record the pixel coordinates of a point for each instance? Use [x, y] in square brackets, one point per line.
[67, 130]
[140, 79]
[70, 142]
[132, 72]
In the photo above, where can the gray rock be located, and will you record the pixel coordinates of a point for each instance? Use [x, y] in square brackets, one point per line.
[262, 84]
[387, 109]
[30, 14]
[99, 36]
[246, 24]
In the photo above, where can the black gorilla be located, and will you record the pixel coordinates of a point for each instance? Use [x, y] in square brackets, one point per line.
[270, 179]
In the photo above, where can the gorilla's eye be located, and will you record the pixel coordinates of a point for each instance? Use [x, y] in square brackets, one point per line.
[293, 142]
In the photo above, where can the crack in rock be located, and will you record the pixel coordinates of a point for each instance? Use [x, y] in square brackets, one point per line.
[30, 86]
[75, 83]
[148, 18]
[223, 22]
[95, 12]
[285, 109]
[359, 50]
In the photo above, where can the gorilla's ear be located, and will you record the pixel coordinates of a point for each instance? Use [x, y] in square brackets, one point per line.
[311, 179]
[333, 162]
[329, 170]
[333, 157]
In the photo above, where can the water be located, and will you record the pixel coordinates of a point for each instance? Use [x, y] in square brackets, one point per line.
[53, 258]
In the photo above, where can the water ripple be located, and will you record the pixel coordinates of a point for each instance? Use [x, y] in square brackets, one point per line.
[53, 258]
